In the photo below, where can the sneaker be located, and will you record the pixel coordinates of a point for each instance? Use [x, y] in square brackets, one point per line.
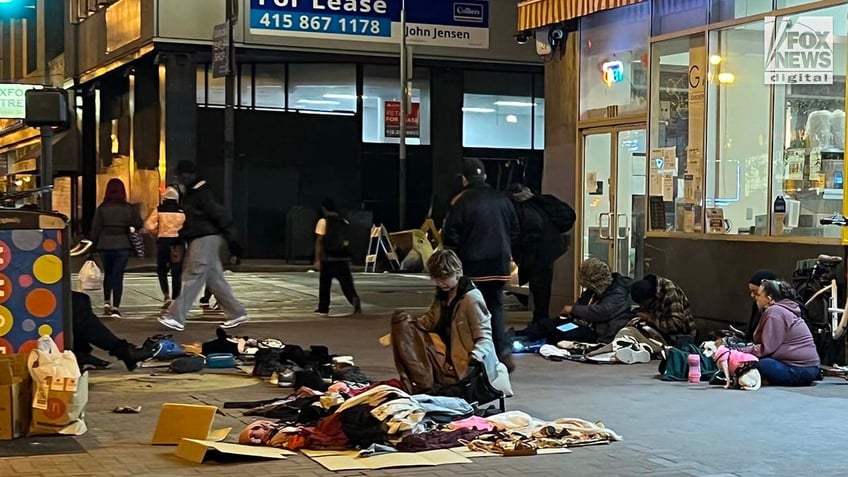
[319, 312]
[357, 306]
[234, 322]
[171, 323]
[107, 310]
[116, 313]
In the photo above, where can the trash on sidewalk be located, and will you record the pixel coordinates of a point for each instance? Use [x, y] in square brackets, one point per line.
[15, 397]
[60, 391]
[189, 421]
[200, 451]
[127, 410]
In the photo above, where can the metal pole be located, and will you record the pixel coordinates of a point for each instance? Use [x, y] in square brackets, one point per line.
[404, 105]
[45, 167]
[229, 112]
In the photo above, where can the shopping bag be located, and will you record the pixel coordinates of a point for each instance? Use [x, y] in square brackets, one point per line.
[60, 391]
[90, 277]
[137, 242]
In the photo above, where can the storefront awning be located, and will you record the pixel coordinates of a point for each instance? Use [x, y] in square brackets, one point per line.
[538, 13]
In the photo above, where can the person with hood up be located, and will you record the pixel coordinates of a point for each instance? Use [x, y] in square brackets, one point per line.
[481, 226]
[165, 223]
[664, 305]
[782, 340]
[208, 226]
[599, 313]
[538, 246]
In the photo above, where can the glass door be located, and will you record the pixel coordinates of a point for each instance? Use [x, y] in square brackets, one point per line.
[614, 186]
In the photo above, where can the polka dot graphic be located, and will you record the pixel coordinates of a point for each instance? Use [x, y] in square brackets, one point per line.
[6, 348]
[47, 269]
[5, 255]
[25, 281]
[28, 346]
[6, 320]
[50, 246]
[27, 240]
[28, 326]
[40, 303]
[60, 340]
[45, 330]
[6, 287]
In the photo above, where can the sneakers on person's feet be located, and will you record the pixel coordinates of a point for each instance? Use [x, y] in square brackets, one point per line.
[116, 313]
[320, 312]
[171, 323]
[107, 310]
[357, 306]
[234, 322]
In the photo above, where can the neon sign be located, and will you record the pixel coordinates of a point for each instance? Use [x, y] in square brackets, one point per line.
[612, 72]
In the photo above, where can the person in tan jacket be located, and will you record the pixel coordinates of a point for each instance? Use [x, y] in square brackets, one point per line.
[447, 348]
[165, 223]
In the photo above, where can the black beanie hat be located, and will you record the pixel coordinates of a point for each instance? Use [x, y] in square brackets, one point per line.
[473, 167]
[643, 291]
[761, 275]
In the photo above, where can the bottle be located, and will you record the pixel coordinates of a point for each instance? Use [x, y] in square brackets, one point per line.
[694, 368]
[779, 215]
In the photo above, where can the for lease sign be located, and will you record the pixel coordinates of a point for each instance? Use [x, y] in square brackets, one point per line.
[13, 100]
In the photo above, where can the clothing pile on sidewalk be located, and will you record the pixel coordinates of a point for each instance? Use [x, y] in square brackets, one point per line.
[383, 418]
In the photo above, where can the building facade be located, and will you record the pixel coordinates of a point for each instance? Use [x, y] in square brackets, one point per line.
[702, 140]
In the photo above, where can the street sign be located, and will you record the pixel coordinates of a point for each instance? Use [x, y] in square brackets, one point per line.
[220, 51]
[448, 23]
[13, 100]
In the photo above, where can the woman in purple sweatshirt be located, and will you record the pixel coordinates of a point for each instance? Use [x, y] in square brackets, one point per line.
[782, 339]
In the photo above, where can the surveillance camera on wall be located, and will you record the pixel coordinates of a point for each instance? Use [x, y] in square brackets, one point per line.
[521, 38]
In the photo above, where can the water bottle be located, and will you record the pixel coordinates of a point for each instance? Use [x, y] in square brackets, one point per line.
[694, 368]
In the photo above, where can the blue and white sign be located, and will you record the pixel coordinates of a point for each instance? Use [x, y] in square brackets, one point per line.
[451, 23]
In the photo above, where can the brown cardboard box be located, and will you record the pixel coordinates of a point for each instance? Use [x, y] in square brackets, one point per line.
[15, 397]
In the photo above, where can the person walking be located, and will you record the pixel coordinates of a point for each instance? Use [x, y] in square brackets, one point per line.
[332, 257]
[481, 226]
[113, 221]
[208, 226]
[165, 223]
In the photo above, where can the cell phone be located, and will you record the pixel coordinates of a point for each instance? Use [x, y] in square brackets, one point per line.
[567, 327]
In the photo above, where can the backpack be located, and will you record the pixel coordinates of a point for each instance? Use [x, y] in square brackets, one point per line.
[336, 241]
[561, 215]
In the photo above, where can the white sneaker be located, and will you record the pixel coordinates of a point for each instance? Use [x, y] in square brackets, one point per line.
[171, 323]
[234, 322]
[107, 310]
[633, 354]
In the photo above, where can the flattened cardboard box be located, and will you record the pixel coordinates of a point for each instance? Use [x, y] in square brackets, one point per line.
[187, 421]
[15, 397]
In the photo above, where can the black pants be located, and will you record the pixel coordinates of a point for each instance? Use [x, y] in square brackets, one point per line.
[165, 262]
[547, 330]
[341, 272]
[493, 296]
[88, 329]
[540, 277]
[114, 267]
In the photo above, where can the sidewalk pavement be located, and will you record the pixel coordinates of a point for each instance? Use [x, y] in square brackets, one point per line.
[669, 429]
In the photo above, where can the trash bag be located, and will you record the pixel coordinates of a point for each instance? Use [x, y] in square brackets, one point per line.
[60, 391]
[90, 276]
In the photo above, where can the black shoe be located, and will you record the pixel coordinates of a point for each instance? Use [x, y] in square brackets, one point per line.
[131, 355]
[89, 361]
[321, 312]
[357, 306]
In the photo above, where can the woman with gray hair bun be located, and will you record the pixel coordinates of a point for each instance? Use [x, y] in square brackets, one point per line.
[601, 310]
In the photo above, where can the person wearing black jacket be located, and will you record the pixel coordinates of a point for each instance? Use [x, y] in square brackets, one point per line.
[600, 312]
[756, 313]
[481, 226]
[208, 225]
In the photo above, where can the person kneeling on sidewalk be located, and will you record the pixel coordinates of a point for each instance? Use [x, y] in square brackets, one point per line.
[89, 330]
[449, 350]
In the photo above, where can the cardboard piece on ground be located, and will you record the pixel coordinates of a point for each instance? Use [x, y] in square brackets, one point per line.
[186, 421]
[470, 454]
[15, 396]
[200, 451]
[349, 461]
[313, 453]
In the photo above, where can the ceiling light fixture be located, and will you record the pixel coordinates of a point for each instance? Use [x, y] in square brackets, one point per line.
[515, 104]
[478, 110]
[341, 96]
[317, 102]
[511, 118]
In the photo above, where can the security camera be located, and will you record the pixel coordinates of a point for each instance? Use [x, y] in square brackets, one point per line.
[557, 34]
[521, 38]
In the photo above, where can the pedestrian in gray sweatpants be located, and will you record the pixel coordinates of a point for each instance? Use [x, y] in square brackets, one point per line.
[208, 226]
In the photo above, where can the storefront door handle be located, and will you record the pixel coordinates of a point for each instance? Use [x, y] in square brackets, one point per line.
[601, 216]
[618, 227]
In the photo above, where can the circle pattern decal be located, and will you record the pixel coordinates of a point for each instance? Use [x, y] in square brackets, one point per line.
[27, 240]
[50, 246]
[5, 255]
[28, 346]
[6, 347]
[25, 280]
[40, 303]
[28, 325]
[6, 287]
[47, 269]
[6, 320]
[45, 330]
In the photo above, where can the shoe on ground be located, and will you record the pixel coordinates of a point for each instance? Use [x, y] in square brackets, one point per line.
[131, 355]
[633, 354]
[91, 362]
[357, 306]
[234, 322]
[116, 313]
[107, 310]
[320, 312]
[171, 323]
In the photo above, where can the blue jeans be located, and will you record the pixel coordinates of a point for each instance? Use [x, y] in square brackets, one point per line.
[114, 266]
[778, 373]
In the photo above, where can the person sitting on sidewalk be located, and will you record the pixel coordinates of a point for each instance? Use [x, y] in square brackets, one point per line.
[754, 283]
[600, 311]
[451, 344]
[89, 330]
[782, 340]
[664, 305]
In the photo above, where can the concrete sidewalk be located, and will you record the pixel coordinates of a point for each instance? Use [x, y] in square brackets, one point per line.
[669, 429]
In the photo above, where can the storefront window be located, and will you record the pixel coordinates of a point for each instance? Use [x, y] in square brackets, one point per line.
[539, 124]
[217, 90]
[381, 84]
[793, 3]
[678, 77]
[497, 110]
[322, 87]
[270, 86]
[677, 15]
[731, 9]
[809, 131]
[201, 84]
[614, 62]
[245, 86]
[738, 137]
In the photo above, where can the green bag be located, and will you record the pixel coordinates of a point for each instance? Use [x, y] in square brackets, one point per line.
[675, 364]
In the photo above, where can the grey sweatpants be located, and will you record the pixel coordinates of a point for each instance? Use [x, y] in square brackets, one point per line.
[202, 267]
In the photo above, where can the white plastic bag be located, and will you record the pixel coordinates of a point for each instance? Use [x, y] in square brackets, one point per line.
[90, 276]
[60, 392]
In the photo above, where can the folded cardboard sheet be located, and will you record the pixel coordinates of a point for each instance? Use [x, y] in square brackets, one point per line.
[348, 460]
